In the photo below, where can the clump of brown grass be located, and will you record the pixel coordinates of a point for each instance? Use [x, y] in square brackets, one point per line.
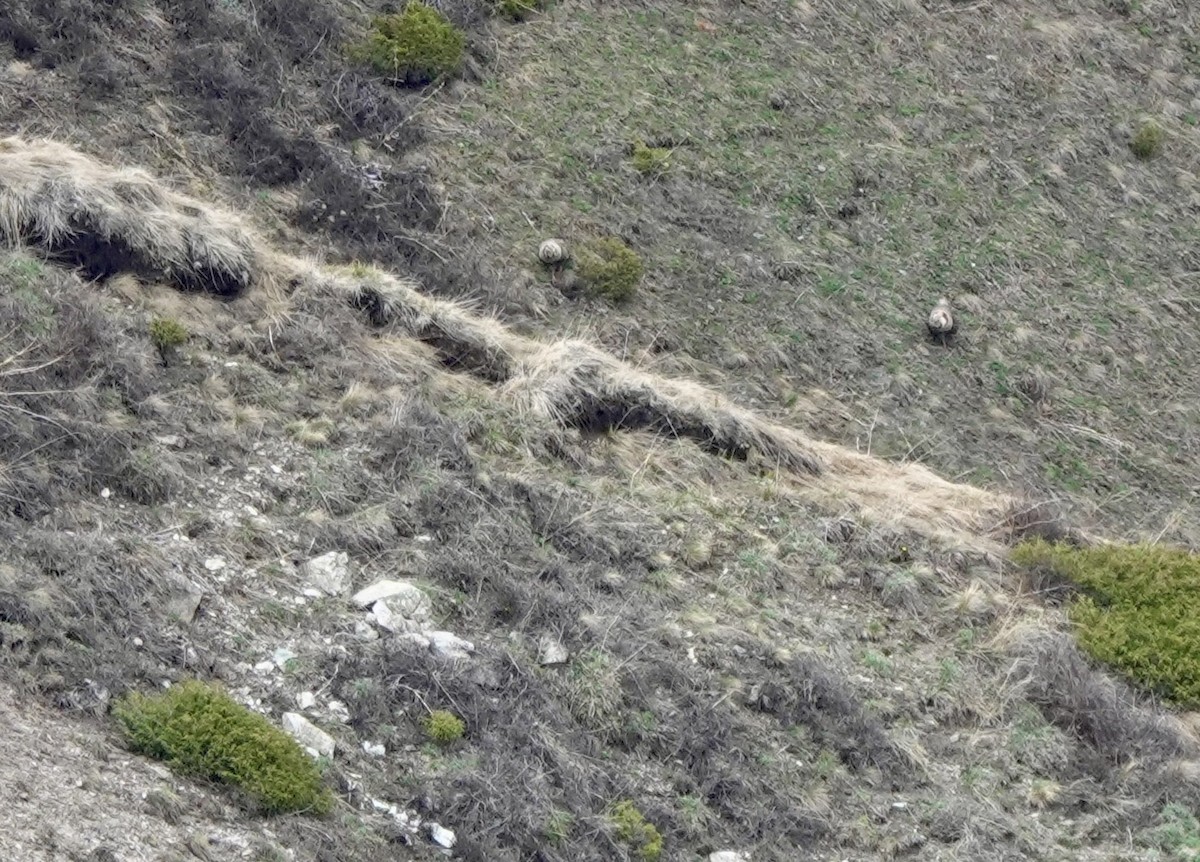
[108, 220]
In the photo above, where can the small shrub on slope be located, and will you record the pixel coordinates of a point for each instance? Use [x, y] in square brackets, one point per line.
[632, 827]
[1147, 141]
[1138, 610]
[610, 269]
[444, 727]
[199, 730]
[414, 47]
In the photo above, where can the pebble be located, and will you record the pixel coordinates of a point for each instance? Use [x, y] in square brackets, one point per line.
[441, 836]
[318, 742]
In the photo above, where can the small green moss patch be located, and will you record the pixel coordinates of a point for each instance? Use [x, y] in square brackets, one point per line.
[413, 47]
[632, 827]
[200, 730]
[1147, 141]
[1138, 610]
[610, 269]
[444, 727]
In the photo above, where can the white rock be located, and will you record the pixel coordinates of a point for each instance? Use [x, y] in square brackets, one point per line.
[308, 734]
[264, 667]
[383, 615]
[441, 836]
[551, 651]
[404, 598]
[311, 592]
[728, 856]
[416, 637]
[339, 711]
[105, 493]
[329, 573]
[282, 656]
[375, 749]
[449, 645]
[214, 564]
[306, 700]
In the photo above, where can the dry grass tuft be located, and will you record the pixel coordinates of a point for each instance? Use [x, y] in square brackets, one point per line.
[109, 220]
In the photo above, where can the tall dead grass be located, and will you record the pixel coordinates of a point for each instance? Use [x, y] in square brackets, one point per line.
[107, 219]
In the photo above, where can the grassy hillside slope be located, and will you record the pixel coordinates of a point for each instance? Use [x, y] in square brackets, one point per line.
[693, 626]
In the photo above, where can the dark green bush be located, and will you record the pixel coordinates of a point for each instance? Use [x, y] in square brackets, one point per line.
[650, 161]
[413, 47]
[610, 269]
[1138, 609]
[1147, 141]
[200, 730]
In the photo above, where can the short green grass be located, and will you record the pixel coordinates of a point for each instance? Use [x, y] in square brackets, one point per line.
[200, 730]
[1138, 609]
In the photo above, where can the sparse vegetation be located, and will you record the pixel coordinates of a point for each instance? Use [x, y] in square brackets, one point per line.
[1138, 610]
[444, 727]
[415, 46]
[200, 730]
[651, 161]
[632, 828]
[519, 10]
[1147, 140]
[610, 269]
[167, 335]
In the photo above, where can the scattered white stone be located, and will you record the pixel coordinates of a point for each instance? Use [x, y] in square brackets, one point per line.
[265, 667]
[105, 493]
[552, 652]
[308, 734]
[329, 573]
[306, 700]
[214, 564]
[441, 836]
[276, 469]
[339, 711]
[449, 645]
[282, 656]
[383, 615]
[404, 598]
[728, 856]
[137, 642]
[424, 539]
[311, 592]
[375, 749]
[174, 441]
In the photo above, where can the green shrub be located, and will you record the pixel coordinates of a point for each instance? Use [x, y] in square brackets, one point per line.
[1177, 832]
[519, 10]
[200, 730]
[652, 161]
[642, 837]
[444, 727]
[167, 334]
[1138, 609]
[413, 47]
[559, 826]
[610, 269]
[1147, 141]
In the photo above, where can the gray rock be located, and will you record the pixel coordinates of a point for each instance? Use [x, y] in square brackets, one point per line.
[375, 749]
[728, 856]
[441, 836]
[318, 742]
[404, 598]
[449, 645]
[184, 601]
[329, 573]
[552, 652]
